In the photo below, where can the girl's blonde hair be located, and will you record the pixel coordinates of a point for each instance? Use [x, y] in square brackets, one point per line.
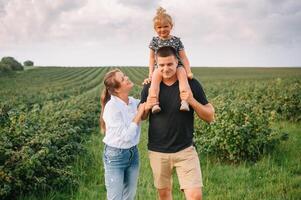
[111, 84]
[161, 15]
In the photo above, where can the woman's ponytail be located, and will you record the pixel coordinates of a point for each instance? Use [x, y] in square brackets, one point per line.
[110, 85]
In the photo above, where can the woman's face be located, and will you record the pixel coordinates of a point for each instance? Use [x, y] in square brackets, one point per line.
[125, 83]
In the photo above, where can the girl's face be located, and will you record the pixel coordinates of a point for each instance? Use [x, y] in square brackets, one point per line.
[163, 29]
[125, 83]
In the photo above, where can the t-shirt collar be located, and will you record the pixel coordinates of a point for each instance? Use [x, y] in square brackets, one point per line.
[120, 101]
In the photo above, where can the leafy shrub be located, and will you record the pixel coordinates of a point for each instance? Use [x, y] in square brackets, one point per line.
[5, 68]
[241, 131]
[37, 147]
[28, 63]
[12, 63]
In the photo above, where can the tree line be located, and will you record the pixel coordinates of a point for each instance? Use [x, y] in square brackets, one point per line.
[9, 64]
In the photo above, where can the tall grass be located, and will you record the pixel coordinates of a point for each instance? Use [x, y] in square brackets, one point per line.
[275, 176]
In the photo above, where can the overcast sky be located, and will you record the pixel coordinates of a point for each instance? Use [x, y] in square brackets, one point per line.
[117, 32]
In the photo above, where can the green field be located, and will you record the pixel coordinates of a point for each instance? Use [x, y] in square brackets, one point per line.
[51, 148]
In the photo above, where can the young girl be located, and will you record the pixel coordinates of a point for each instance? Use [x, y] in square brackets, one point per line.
[120, 121]
[163, 25]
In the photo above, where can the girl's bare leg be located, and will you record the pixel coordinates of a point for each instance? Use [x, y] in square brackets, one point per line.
[188, 72]
[183, 86]
[155, 89]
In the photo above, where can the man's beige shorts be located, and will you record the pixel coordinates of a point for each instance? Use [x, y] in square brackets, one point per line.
[187, 166]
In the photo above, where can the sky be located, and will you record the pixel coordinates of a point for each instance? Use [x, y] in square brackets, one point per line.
[117, 32]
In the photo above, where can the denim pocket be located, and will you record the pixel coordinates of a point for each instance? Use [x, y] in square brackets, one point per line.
[111, 152]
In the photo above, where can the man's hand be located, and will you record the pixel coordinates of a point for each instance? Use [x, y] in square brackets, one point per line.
[186, 96]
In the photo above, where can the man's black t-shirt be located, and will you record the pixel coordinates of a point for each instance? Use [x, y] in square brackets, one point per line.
[171, 130]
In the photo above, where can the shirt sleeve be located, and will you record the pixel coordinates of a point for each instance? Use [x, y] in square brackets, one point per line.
[198, 92]
[153, 44]
[115, 123]
[144, 93]
[180, 45]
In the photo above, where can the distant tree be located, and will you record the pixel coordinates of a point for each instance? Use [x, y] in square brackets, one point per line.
[12, 63]
[28, 63]
[4, 68]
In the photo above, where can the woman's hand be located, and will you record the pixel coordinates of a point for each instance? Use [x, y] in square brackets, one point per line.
[146, 81]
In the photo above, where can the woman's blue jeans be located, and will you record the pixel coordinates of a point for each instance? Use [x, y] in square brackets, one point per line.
[121, 172]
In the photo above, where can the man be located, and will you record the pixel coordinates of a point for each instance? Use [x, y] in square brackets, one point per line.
[170, 133]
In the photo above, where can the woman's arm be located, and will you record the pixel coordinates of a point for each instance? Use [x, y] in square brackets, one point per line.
[137, 119]
[150, 102]
[115, 122]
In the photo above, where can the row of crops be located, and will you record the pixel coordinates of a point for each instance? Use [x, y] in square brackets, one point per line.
[46, 115]
[246, 111]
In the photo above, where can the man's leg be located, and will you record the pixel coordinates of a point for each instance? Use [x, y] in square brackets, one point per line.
[189, 173]
[162, 169]
[165, 194]
[193, 193]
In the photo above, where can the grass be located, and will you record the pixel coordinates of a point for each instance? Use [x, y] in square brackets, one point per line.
[275, 176]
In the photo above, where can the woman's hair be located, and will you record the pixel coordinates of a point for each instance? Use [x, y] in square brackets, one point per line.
[161, 15]
[110, 85]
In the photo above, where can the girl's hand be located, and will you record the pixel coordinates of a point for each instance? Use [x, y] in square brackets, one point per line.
[190, 75]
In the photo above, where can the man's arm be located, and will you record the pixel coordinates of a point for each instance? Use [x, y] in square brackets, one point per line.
[204, 112]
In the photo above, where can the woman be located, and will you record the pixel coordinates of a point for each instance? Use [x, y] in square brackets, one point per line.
[120, 121]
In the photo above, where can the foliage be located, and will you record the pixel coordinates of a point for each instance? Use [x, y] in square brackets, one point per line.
[46, 115]
[5, 68]
[241, 132]
[28, 63]
[10, 62]
[41, 134]
[244, 113]
[37, 147]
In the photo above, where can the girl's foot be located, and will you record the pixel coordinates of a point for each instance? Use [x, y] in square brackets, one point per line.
[184, 106]
[156, 109]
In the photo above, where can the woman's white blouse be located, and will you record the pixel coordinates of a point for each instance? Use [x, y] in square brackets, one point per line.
[121, 131]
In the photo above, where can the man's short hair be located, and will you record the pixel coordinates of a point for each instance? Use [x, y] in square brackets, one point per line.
[166, 51]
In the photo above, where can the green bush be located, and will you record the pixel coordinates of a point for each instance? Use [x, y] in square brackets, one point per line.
[37, 147]
[28, 63]
[241, 131]
[5, 68]
[12, 63]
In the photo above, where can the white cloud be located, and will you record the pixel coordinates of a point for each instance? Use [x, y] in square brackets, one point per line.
[223, 32]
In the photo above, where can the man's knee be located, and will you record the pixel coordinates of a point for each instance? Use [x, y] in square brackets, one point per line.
[193, 194]
[164, 193]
